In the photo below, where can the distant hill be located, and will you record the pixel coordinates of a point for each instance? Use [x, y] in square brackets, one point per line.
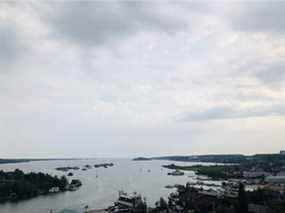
[225, 158]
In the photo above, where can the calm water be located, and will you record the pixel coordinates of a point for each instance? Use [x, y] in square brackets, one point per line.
[100, 192]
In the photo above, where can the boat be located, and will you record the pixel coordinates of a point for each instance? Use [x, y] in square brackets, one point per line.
[204, 178]
[176, 173]
[74, 185]
[169, 186]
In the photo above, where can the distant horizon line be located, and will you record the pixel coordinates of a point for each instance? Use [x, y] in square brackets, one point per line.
[129, 157]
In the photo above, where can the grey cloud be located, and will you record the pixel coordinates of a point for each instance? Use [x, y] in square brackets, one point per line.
[11, 46]
[261, 16]
[271, 74]
[268, 73]
[130, 98]
[97, 23]
[220, 113]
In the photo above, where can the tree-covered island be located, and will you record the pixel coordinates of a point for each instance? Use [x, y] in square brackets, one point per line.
[17, 185]
[142, 159]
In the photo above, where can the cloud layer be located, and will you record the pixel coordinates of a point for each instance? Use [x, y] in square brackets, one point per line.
[149, 78]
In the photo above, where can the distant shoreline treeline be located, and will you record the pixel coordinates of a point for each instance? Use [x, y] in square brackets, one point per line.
[24, 160]
[222, 158]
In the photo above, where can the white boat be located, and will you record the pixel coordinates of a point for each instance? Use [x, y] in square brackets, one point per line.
[176, 173]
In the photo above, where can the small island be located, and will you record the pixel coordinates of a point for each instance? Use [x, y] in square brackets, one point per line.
[142, 159]
[67, 168]
[17, 185]
[105, 165]
[87, 166]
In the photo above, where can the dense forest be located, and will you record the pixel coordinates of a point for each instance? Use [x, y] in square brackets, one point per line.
[18, 185]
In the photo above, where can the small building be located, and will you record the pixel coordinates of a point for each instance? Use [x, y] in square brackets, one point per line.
[53, 190]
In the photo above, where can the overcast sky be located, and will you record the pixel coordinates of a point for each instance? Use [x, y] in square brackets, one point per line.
[125, 79]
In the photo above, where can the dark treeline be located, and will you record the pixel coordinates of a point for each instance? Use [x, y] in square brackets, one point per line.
[18, 185]
[225, 158]
[2, 161]
[25, 160]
